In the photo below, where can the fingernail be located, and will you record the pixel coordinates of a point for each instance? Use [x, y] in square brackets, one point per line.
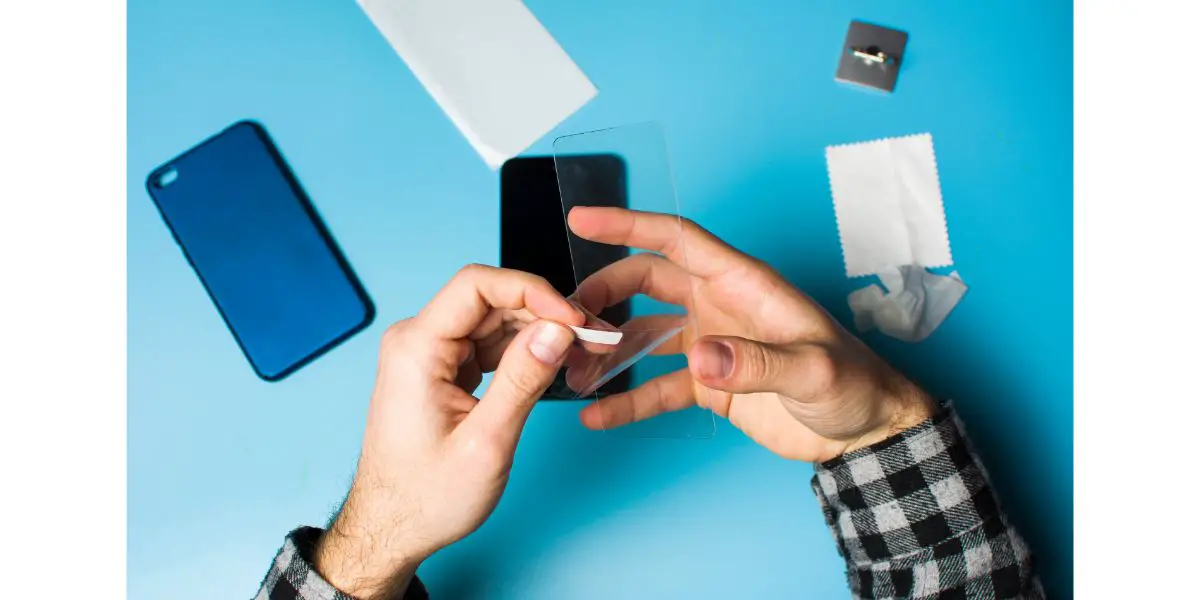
[716, 360]
[550, 343]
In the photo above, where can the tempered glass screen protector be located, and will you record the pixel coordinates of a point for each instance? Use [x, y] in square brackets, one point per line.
[648, 339]
[257, 244]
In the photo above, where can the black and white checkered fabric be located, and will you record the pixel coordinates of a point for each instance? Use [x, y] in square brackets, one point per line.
[292, 576]
[915, 517]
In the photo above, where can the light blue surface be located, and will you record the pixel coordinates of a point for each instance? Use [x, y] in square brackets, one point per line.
[222, 465]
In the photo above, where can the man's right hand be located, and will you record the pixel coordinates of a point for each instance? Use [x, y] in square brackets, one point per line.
[770, 359]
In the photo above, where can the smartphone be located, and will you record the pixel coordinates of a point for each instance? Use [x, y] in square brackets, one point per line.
[534, 235]
[268, 262]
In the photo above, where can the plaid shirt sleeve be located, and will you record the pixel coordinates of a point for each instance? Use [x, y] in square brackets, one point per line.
[292, 576]
[915, 517]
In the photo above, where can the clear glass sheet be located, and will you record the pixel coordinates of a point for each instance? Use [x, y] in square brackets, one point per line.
[630, 340]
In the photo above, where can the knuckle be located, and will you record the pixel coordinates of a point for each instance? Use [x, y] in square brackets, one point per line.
[651, 260]
[396, 333]
[525, 382]
[756, 364]
[757, 270]
[534, 280]
[662, 397]
[757, 264]
[472, 271]
[688, 227]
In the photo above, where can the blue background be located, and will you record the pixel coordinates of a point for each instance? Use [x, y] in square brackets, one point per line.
[222, 465]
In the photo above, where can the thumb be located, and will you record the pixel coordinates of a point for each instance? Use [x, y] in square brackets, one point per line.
[742, 366]
[525, 371]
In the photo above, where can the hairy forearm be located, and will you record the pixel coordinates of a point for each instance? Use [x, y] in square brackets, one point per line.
[357, 558]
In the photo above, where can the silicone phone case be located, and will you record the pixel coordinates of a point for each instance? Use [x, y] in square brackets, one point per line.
[264, 256]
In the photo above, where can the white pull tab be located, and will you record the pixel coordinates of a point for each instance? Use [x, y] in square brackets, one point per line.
[598, 336]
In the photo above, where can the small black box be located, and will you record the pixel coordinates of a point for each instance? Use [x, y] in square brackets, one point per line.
[871, 56]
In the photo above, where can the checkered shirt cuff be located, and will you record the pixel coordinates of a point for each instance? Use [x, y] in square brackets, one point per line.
[292, 576]
[915, 517]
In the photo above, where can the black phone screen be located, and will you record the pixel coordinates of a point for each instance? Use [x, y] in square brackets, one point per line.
[533, 232]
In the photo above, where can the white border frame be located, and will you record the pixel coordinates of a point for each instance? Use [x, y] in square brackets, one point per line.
[62, 386]
[62, 185]
[1136, 239]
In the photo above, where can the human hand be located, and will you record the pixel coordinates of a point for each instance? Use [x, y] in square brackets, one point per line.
[435, 459]
[771, 360]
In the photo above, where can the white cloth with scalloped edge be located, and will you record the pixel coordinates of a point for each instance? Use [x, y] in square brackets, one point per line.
[888, 204]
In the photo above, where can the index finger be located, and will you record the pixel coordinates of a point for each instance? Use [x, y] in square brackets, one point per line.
[642, 273]
[705, 255]
[665, 393]
[471, 295]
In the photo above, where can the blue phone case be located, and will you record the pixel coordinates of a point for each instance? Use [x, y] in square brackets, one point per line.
[268, 262]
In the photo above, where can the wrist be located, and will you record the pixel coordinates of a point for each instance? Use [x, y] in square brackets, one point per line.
[363, 561]
[904, 405]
